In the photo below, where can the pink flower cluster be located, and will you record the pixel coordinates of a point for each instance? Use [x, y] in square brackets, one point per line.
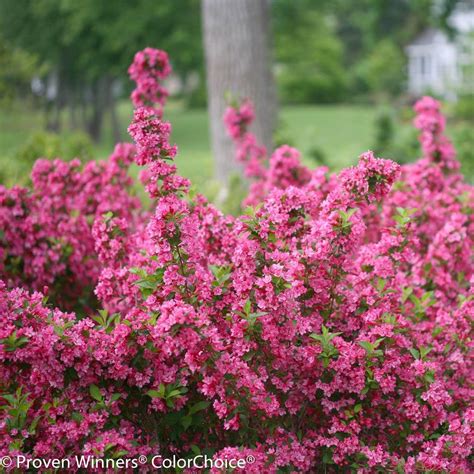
[45, 239]
[284, 168]
[149, 67]
[431, 122]
[329, 327]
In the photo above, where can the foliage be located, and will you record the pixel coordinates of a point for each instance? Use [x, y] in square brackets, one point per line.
[464, 141]
[318, 156]
[328, 327]
[397, 141]
[16, 69]
[351, 48]
[317, 75]
[59, 32]
[384, 127]
[465, 108]
[87, 45]
[51, 145]
[41, 144]
[229, 198]
[88, 41]
[383, 71]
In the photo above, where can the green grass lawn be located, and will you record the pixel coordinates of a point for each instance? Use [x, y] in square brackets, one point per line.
[341, 132]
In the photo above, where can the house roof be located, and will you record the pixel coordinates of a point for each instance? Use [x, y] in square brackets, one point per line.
[429, 36]
[462, 21]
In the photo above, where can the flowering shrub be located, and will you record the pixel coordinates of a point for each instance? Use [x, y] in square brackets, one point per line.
[327, 328]
[46, 238]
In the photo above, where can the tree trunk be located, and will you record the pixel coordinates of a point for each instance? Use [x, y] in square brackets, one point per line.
[236, 43]
[83, 91]
[99, 97]
[114, 118]
[58, 105]
[72, 101]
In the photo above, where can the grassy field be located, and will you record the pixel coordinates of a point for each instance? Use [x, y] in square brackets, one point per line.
[341, 132]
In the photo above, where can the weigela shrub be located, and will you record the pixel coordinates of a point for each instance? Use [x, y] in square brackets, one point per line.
[328, 328]
[46, 232]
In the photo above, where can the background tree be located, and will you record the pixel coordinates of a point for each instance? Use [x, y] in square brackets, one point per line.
[382, 71]
[16, 69]
[88, 45]
[351, 48]
[237, 50]
[314, 73]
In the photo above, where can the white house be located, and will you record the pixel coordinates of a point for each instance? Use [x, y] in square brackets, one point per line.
[436, 63]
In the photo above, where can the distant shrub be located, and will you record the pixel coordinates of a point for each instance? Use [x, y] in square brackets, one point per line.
[197, 97]
[382, 72]
[384, 132]
[317, 155]
[281, 135]
[315, 74]
[396, 141]
[298, 85]
[463, 138]
[51, 145]
[464, 108]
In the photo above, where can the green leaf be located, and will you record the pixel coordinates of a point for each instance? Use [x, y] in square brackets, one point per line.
[400, 469]
[34, 424]
[195, 449]
[424, 351]
[76, 416]
[186, 421]
[95, 392]
[146, 284]
[429, 376]
[378, 342]
[368, 346]
[406, 292]
[414, 352]
[404, 216]
[13, 342]
[107, 216]
[247, 307]
[381, 284]
[120, 454]
[202, 405]
[221, 273]
[154, 394]
[109, 446]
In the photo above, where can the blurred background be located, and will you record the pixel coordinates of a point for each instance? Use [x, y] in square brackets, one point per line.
[339, 76]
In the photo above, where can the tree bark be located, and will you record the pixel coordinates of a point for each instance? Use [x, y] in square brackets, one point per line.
[114, 118]
[72, 101]
[83, 91]
[58, 105]
[236, 43]
[99, 96]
